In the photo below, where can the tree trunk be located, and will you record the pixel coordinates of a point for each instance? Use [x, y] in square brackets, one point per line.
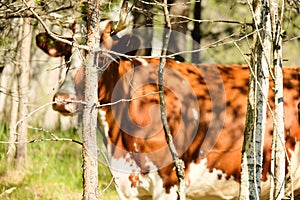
[6, 84]
[143, 26]
[11, 152]
[179, 28]
[8, 73]
[89, 137]
[196, 33]
[252, 153]
[278, 148]
[178, 163]
[13, 120]
[23, 85]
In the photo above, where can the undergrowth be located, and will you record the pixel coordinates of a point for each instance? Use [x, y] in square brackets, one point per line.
[53, 170]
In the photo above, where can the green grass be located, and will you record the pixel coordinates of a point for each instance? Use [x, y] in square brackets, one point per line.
[53, 170]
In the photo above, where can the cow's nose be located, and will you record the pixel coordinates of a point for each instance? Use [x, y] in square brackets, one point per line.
[64, 104]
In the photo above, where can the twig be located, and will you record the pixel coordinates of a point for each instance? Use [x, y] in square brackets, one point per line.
[126, 100]
[55, 36]
[40, 108]
[53, 139]
[42, 140]
[171, 56]
[179, 164]
[109, 184]
[113, 180]
[188, 19]
[108, 52]
[8, 191]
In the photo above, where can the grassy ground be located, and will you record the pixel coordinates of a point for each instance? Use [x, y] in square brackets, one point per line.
[53, 170]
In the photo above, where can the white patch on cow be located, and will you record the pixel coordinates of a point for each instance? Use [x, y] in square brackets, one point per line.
[195, 114]
[295, 165]
[203, 184]
[135, 147]
[102, 122]
[148, 186]
[177, 61]
[142, 61]
[121, 169]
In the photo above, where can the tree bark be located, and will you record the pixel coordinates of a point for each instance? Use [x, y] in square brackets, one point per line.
[6, 82]
[13, 66]
[278, 142]
[89, 137]
[13, 120]
[23, 86]
[252, 153]
[179, 164]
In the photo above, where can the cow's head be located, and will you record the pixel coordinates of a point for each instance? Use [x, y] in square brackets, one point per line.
[71, 91]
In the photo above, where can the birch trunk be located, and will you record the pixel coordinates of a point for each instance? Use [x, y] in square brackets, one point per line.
[23, 84]
[11, 152]
[6, 82]
[8, 74]
[252, 153]
[278, 148]
[89, 137]
[13, 120]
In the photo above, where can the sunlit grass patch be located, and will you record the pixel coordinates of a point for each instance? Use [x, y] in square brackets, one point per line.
[53, 170]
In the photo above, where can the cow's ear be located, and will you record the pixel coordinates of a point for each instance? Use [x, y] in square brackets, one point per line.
[106, 40]
[128, 44]
[53, 47]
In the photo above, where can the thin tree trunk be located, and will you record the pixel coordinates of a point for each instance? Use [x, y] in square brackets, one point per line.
[179, 164]
[13, 120]
[179, 28]
[6, 84]
[8, 73]
[196, 32]
[143, 19]
[23, 84]
[90, 149]
[278, 148]
[11, 152]
[252, 153]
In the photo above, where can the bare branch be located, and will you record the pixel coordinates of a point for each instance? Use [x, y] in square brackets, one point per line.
[42, 140]
[126, 100]
[179, 164]
[188, 19]
[55, 36]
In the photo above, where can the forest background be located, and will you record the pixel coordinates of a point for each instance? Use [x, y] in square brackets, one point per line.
[54, 168]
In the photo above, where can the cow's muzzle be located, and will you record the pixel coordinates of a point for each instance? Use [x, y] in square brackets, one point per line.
[64, 104]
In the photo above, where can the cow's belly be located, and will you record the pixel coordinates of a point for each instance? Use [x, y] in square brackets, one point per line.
[133, 185]
[209, 185]
[200, 182]
[203, 184]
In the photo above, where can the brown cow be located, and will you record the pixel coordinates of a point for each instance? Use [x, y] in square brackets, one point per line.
[206, 108]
